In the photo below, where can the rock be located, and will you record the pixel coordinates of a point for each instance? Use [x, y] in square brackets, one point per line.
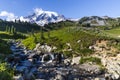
[26, 63]
[43, 48]
[115, 76]
[19, 77]
[54, 47]
[67, 61]
[99, 79]
[59, 77]
[108, 76]
[118, 55]
[41, 64]
[78, 41]
[37, 46]
[30, 56]
[76, 60]
[28, 75]
[20, 68]
[47, 57]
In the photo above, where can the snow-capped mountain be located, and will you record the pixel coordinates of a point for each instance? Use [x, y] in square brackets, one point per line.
[96, 20]
[42, 17]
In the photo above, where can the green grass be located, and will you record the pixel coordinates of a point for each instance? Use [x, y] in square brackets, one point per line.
[4, 47]
[114, 33]
[6, 35]
[5, 72]
[60, 37]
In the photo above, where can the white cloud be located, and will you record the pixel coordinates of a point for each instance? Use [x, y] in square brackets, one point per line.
[9, 16]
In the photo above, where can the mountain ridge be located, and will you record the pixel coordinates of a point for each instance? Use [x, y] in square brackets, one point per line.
[42, 17]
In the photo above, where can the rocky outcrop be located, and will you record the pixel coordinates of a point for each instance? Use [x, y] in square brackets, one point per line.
[76, 60]
[112, 64]
[44, 48]
[109, 57]
[29, 65]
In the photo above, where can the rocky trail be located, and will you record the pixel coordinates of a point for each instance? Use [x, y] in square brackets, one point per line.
[31, 65]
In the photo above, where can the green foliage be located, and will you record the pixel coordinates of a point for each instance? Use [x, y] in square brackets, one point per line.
[23, 27]
[90, 59]
[114, 33]
[68, 54]
[86, 25]
[4, 47]
[60, 37]
[42, 34]
[6, 35]
[30, 43]
[62, 24]
[5, 72]
[7, 28]
[85, 52]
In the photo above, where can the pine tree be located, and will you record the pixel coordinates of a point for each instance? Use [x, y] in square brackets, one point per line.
[7, 28]
[42, 33]
[48, 34]
[12, 29]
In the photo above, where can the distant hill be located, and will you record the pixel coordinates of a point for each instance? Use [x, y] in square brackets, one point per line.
[99, 21]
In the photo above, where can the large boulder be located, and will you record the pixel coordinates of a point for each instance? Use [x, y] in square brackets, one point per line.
[19, 77]
[59, 77]
[43, 48]
[76, 60]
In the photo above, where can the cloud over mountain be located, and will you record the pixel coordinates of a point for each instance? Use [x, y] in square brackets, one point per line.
[9, 16]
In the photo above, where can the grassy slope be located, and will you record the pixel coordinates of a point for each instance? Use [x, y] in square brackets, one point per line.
[62, 36]
[115, 33]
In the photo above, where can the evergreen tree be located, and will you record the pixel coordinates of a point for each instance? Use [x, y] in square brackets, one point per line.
[32, 33]
[7, 28]
[12, 29]
[42, 34]
[48, 34]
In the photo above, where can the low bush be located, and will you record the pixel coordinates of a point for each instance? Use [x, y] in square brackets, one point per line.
[5, 72]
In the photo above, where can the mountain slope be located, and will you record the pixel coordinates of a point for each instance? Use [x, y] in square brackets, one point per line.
[42, 17]
[98, 21]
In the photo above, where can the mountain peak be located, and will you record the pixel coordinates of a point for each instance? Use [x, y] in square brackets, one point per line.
[38, 11]
[42, 17]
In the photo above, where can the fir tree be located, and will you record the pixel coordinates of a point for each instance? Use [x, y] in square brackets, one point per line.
[13, 30]
[7, 28]
[42, 33]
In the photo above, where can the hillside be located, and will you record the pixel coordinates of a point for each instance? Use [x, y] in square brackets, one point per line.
[78, 39]
[81, 45]
[25, 27]
[100, 21]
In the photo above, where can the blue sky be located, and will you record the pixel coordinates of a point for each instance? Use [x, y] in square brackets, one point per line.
[69, 8]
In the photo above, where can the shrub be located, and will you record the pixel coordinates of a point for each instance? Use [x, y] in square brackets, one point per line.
[5, 72]
[85, 52]
[67, 53]
[4, 47]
